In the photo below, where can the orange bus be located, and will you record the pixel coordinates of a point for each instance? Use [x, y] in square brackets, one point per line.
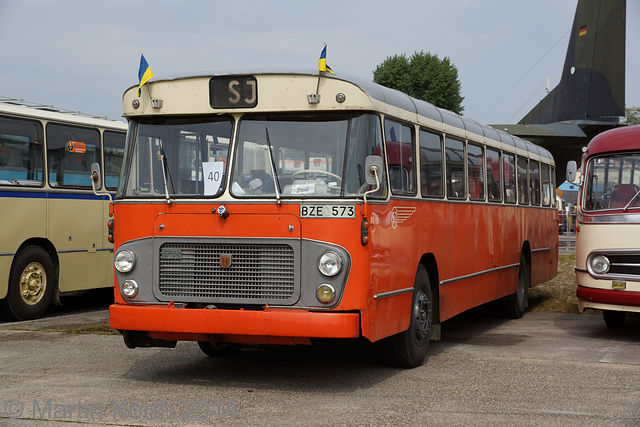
[275, 208]
[608, 226]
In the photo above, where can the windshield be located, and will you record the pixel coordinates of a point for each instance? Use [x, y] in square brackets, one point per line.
[178, 157]
[613, 182]
[319, 155]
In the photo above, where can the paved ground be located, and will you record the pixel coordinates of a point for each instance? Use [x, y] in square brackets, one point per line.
[544, 369]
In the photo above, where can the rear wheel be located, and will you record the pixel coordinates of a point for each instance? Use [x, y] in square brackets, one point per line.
[514, 305]
[31, 283]
[614, 319]
[409, 348]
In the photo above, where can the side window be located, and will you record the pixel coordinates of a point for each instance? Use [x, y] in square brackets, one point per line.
[475, 172]
[454, 153]
[21, 157]
[494, 189]
[400, 148]
[546, 185]
[113, 143]
[523, 181]
[553, 185]
[509, 173]
[534, 181]
[431, 164]
[70, 152]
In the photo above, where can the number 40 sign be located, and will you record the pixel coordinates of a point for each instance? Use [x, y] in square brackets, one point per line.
[212, 177]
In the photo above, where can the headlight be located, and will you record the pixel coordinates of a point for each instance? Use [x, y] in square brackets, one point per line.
[325, 293]
[130, 288]
[599, 264]
[125, 261]
[329, 263]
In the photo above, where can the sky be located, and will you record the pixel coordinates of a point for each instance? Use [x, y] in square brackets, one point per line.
[82, 54]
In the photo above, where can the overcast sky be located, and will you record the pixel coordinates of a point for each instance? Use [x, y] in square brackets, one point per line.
[82, 54]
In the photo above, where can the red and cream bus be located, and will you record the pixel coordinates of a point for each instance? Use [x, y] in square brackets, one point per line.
[275, 208]
[53, 237]
[608, 226]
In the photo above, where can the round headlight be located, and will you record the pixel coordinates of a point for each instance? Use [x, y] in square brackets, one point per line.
[325, 293]
[329, 263]
[130, 288]
[600, 264]
[125, 261]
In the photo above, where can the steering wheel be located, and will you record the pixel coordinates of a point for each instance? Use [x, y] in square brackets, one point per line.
[316, 172]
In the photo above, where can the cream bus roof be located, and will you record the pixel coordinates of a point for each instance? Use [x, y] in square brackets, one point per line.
[450, 121]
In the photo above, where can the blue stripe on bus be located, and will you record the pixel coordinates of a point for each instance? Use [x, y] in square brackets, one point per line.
[51, 195]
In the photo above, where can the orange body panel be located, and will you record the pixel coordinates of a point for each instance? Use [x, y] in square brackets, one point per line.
[463, 239]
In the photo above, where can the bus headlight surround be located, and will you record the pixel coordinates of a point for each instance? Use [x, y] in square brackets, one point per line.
[325, 293]
[125, 261]
[329, 263]
[599, 264]
[130, 288]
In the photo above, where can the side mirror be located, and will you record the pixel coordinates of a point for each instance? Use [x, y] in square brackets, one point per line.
[572, 170]
[96, 179]
[373, 166]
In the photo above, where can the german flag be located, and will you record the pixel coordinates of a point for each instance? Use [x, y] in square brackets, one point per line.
[583, 31]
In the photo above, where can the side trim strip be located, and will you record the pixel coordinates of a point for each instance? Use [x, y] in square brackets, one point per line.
[540, 250]
[480, 273]
[393, 293]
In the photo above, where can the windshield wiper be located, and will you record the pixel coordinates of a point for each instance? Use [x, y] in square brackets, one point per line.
[165, 174]
[274, 174]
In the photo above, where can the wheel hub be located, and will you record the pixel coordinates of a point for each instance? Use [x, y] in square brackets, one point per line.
[422, 314]
[33, 283]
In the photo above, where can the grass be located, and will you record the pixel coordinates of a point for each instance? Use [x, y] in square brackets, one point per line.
[559, 294]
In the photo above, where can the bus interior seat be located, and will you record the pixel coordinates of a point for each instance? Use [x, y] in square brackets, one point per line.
[621, 194]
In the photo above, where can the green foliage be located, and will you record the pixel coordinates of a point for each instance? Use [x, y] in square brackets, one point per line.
[632, 116]
[423, 76]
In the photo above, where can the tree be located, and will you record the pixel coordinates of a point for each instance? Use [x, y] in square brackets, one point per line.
[423, 76]
[632, 116]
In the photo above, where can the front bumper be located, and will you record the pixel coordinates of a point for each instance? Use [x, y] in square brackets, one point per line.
[268, 322]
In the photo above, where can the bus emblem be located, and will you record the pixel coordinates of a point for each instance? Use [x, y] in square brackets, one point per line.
[225, 261]
[400, 215]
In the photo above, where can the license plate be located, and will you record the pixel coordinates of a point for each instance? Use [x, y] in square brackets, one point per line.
[618, 285]
[327, 211]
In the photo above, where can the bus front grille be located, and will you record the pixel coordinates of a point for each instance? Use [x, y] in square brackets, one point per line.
[227, 273]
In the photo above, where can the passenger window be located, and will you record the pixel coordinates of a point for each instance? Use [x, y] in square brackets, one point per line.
[494, 189]
[454, 153]
[113, 154]
[474, 172]
[70, 152]
[546, 186]
[534, 182]
[21, 157]
[523, 181]
[431, 164]
[400, 149]
[509, 173]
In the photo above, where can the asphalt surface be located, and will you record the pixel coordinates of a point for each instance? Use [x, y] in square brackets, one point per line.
[544, 369]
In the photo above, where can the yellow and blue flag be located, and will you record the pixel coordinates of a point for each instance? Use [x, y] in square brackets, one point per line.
[322, 62]
[144, 73]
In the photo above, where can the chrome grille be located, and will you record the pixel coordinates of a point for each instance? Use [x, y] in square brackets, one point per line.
[624, 265]
[257, 273]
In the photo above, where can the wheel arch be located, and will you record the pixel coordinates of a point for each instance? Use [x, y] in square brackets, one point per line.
[429, 262]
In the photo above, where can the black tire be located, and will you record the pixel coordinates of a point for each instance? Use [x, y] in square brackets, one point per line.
[614, 319]
[220, 350]
[514, 305]
[408, 349]
[31, 284]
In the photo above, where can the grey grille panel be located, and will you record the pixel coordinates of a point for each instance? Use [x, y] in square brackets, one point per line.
[258, 273]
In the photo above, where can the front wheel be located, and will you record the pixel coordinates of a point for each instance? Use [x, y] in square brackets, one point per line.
[31, 284]
[409, 348]
[614, 319]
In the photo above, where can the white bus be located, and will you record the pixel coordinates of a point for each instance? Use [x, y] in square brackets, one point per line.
[53, 233]
[608, 226]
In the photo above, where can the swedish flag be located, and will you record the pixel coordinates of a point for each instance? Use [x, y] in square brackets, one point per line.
[322, 62]
[144, 73]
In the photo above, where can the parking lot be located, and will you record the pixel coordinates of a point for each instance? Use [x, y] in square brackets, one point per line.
[544, 369]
